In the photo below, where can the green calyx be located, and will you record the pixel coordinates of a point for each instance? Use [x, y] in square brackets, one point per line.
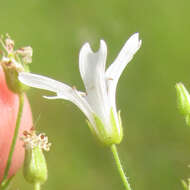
[35, 168]
[118, 130]
[14, 61]
[107, 136]
[11, 75]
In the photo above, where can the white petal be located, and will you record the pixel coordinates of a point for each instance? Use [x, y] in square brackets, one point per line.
[90, 62]
[92, 70]
[52, 97]
[115, 70]
[126, 54]
[46, 83]
[62, 90]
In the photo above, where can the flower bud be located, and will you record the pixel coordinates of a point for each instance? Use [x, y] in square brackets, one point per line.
[35, 168]
[183, 99]
[186, 184]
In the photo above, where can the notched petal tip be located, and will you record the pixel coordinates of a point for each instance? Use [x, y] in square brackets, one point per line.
[85, 49]
[90, 61]
[103, 46]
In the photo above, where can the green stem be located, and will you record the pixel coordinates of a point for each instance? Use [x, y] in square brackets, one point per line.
[37, 186]
[119, 167]
[19, 115]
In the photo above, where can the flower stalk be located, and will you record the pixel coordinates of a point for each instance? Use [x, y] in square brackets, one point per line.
[120, 168]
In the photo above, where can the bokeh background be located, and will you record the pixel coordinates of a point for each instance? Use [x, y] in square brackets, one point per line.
[155, 150]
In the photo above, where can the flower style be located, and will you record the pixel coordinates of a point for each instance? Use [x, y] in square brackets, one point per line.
[98, 103]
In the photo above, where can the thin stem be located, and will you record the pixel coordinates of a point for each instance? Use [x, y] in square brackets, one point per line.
[37, 186]
[19, 115]
[119, 167]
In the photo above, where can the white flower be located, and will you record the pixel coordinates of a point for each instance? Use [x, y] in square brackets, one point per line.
[98, 103]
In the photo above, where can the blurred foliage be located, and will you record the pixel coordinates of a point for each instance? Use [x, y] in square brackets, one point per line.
[155, 149]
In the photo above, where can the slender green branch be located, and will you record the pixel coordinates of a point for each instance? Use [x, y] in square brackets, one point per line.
[37, 186]
[119, 167]
[19, 115]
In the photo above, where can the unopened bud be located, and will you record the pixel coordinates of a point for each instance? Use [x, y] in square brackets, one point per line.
[186, 184]
[183, 99]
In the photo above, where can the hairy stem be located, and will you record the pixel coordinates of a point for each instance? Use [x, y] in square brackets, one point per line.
[120, 168]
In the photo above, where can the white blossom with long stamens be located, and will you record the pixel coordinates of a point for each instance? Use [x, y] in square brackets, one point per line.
[100, 84]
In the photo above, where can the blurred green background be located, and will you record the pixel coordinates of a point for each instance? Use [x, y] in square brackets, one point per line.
[155, 150]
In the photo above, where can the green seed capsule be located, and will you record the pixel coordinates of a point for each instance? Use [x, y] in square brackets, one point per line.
[35, 168]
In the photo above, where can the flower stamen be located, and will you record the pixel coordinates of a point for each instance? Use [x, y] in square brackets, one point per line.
[32, 140]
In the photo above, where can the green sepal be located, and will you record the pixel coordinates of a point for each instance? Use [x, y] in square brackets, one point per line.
[91, 128]
[120, 125]
[117, 130]
[103, 135]
[120, 121]
[35, 168]
[11, 76]
[100, 132]
[107, 136]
